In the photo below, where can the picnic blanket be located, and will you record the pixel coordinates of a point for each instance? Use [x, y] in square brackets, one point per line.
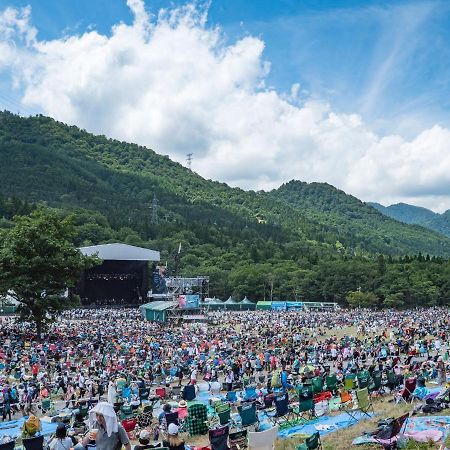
[420, 429]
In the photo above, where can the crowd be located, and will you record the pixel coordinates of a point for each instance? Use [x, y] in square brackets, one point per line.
[99, 353]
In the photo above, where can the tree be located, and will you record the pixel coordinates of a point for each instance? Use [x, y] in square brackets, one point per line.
[362, 299]
[38, 263]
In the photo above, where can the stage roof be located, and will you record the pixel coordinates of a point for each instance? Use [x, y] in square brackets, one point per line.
[121, 252]
[159, 306]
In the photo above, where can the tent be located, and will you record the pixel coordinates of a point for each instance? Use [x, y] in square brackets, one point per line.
[263, 305]
[214, 304]
[247, 305]
[157, 311]
[232, 305]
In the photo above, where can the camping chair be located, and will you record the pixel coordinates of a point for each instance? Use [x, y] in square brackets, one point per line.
[284, 414]
[248, 414]
[223, 412]
[305, 403]
[363, 407]
[392, 381]
[363, 378]
[34, 443]
[238, 440]
[144, 393]
[197, 419]
[218, 438]
[126, 412]
[176, 392]
[250, 393]
[8, 445]
[161, 392]
[349, 384]
[171, 417]
[406, 394]
[46, 405]
[311, 443]
[317, 385]
[331, 383]
[346, 397]
[188, 393]
[376, 383]
[84, 411]
[263, 440]
[387, 435]
[231, 396]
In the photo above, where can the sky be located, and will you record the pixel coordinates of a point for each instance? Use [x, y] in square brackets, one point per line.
[352, 93]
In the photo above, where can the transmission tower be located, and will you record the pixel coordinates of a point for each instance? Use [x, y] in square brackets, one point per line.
[154, 218]
[189, 158]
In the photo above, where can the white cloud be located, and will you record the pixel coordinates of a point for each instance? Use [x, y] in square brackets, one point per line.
[172, 83]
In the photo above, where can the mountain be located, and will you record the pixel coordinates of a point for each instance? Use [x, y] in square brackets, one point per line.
[417, 215]
[44, 160]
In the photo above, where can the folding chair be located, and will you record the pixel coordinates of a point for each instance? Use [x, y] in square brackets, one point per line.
[231, 396]
[161, 392]
[250, 393]
[126, 412]
[171, 417]
[406, 394]
[363, 407]
[392, 380]
[144, 393]
[305, 404]
[34, 443]
[218, 438]
[223, 412]
[284, 414]
[188, 393]
[46, 405]
[197, 419]
[317, 385]
[363, 379]
[263, 440]
[376, 384]
[387, 436]
[238, 440]
[331, 383]
[248, 414]
[176, 392]
[349, 384]
[311, 443]
[8, 445]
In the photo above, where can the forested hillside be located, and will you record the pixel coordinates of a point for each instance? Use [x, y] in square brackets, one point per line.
[417, 215]
[258, 244]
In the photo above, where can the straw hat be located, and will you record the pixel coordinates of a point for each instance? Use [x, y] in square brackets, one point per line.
[182, 404]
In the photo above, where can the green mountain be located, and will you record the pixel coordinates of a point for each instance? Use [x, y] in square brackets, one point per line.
[308, 238]
[417, 215]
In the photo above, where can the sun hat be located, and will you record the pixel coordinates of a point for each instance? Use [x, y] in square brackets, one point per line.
[182, 404]
[172, 429]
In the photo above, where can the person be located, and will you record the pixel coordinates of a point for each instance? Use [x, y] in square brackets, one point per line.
[174, 441]
[110, 433]
[144, 441]
[61, 441]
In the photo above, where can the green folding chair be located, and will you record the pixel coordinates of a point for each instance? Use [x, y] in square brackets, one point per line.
[364, 405]
[349, 384]
[331, 383]
[376, 384]
[311, 443]
[363, 378]
[317, 385]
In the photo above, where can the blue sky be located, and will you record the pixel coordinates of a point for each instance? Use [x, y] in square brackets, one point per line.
[354, 93]
[334, 49]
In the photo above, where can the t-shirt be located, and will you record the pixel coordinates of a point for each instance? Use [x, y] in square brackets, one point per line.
[113, 442]
[61, 444]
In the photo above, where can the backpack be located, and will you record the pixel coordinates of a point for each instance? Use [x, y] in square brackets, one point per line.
[276, 379]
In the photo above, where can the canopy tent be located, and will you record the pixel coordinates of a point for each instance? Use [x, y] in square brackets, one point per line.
[214, 304]
[157, 311]
[263, 305]
[247, 305]
[232, 305]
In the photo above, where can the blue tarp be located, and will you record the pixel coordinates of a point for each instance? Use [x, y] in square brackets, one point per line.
[14, 428]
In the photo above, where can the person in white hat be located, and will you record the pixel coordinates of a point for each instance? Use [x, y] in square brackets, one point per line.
[144, 441]
[107, 432]
[173, 441]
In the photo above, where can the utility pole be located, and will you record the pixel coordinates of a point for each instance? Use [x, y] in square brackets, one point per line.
[154, 218]
[189, 158]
